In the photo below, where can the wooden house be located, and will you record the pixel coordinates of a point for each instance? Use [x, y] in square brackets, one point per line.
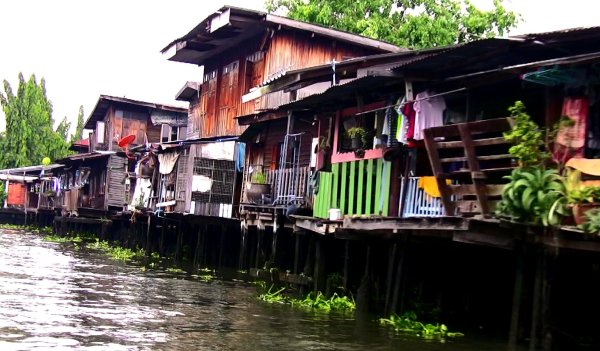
[114, 118]
[240, 50]
[31, 188]
[94, 183]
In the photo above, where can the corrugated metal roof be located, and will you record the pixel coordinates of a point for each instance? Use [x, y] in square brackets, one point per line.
[105, 101]
[37, 168]
[204, 42]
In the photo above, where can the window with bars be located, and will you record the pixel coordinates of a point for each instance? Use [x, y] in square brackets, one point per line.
[222, 175]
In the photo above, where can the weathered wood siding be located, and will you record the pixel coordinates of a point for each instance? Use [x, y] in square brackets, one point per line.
[246, 67]
[16, 194]
[115, 181]
[183, 179]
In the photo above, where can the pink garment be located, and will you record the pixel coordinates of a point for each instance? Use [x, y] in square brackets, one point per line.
[429, 112]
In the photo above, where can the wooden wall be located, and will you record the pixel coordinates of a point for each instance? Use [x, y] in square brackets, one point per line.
[243, 68]
[16, 194]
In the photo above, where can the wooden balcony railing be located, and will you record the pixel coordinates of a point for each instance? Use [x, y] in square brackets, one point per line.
[287, 185]
[417, 203]
[356, 188]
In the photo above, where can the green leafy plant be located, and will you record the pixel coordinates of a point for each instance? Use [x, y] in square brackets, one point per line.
[140, 201]
[259, 177]
[534, 195]
[359, 133]
[585, 194]
[527, 137]
[592, 222]
[408, 323]
[2, 194]
[324, 143]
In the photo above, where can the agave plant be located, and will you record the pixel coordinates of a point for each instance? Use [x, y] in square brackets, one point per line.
[534, 195]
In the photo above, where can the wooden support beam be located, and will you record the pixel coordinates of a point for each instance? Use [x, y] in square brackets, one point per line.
[389, 280]
[517, 296]
[243, 247]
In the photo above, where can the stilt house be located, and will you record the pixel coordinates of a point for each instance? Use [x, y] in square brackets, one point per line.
[240, 51]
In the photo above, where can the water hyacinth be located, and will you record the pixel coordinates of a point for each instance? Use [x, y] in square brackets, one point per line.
[408, 323]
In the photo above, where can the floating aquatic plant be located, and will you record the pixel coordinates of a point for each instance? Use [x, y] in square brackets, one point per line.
[408, 323]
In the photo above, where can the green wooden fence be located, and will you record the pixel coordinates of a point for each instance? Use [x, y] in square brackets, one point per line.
[356, 188]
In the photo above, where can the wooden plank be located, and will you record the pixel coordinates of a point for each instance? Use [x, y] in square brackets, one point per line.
[335, 169]
[469, 189]
[480, 158]
[351, 193]
[476, 143]
[465, 134]
[378, 176]
[343, 189]
[327, 204]
[368, 204]
[480, 173]
[387, 173]
[478, 127]
[360, 190]
[436, 166]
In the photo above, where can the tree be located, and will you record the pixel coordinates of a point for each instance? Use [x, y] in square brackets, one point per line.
[63, 128]
[78, 135]
[29, 135]
[413, 24]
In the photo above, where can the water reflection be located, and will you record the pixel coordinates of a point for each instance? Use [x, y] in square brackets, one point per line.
[57, 297]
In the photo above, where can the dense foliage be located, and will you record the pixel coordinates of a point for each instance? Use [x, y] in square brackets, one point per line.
[406, 23]
[78, 135]
[534, 195]
[29, 135]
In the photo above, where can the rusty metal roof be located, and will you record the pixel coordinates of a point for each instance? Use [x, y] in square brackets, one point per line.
[105, 101]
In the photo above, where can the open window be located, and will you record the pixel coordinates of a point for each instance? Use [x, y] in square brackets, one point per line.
[100, 129]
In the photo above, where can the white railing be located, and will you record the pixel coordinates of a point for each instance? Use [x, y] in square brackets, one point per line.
[417, 203]
[289, 184]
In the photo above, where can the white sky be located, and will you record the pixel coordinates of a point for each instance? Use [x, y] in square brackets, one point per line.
[84, 48]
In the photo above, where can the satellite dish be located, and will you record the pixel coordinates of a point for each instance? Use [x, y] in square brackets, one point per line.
[124, 143]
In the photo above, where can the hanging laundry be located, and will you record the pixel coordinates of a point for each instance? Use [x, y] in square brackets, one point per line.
[429, 112]
[571, 139]
[430, 186]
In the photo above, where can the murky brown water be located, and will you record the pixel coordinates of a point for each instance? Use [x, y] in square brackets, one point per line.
[53, 296]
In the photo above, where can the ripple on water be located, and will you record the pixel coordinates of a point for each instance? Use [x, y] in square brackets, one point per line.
[54, 297]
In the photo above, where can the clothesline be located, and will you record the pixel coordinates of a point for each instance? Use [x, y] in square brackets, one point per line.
[410, 101]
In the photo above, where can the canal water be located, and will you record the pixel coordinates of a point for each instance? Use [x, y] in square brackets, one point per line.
[54, 296]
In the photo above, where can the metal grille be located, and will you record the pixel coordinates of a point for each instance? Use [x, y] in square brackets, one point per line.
[222, 173]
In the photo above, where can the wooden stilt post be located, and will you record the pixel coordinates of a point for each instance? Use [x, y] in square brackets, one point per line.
[260, 231]
[297, 253]
[398, 296]
[161, 240]
[243, 244]
[390, 278]
[222, 245]
[179, 244]
[318, 276]
[148, 246]
[537, 299]
[197, 252]
[347, 265]
[518, 291]
[363, 295]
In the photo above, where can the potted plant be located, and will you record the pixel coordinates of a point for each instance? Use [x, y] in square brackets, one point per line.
[591, 224]
[584, 199]
[258, 188]
[358, 136]
[323, 152]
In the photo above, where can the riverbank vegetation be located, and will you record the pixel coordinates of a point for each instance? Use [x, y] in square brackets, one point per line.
[542, 190]
[408, 323]
[312, 301]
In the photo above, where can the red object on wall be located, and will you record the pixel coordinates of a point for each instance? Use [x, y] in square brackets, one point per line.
[16, 194]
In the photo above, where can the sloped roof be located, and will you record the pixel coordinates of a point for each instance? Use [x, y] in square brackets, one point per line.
[231, 26]
[105, 101]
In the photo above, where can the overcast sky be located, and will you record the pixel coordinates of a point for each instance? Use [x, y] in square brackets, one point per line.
[84, 48]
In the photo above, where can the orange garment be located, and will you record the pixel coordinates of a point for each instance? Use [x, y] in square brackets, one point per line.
[430, 187]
